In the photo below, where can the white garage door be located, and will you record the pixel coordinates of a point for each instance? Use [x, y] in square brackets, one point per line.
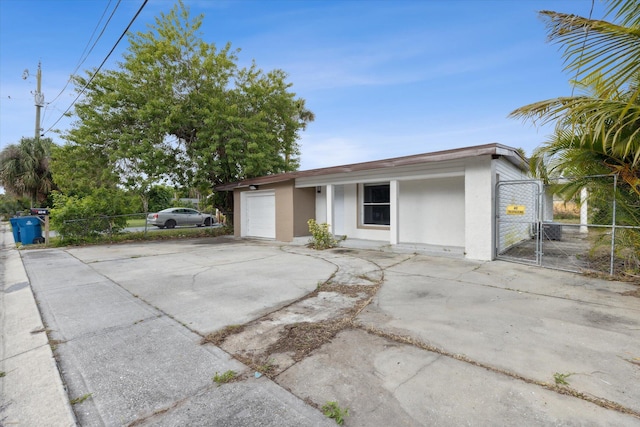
[260, 215]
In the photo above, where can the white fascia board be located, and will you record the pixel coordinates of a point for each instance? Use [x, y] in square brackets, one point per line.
[403, 173]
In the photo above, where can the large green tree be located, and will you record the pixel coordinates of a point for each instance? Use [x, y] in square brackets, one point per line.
[24, 169]
[181, 110]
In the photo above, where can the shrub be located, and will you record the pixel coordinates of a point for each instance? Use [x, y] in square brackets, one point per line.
[77, 219]
[160, 197]
[321, 238]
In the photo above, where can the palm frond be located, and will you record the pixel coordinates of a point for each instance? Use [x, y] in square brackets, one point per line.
[593, 47]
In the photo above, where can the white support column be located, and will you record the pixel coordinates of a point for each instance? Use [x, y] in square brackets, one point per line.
[584, 219]
[394, 229]
[479, 214]
[329, 196]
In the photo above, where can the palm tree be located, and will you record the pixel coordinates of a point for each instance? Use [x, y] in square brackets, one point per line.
[597, 131]
[24, 169]
[577, 149]
[605, 120]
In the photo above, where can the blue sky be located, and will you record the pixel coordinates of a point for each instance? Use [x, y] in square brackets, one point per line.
[384, 78]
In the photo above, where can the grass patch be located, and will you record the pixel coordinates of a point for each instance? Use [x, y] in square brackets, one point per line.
[561, 379]
[3, 374]
[80, 399]
[334, 411]
[137, 222]
[224, 378]
[267, 367]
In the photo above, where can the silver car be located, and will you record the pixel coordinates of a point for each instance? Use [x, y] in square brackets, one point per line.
[172, 217]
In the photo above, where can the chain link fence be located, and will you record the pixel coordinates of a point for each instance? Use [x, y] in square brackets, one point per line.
[583, 224]
[101, 225]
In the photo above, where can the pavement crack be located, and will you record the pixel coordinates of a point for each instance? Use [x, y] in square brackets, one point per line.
[560, 389]
[25, 352]
[157, 413]
[415, 374]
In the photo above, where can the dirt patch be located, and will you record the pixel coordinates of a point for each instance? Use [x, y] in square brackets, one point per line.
[342, 251]
[350, 290]
[634, 293]
[291, 342]
[218, 337]
[301, 339]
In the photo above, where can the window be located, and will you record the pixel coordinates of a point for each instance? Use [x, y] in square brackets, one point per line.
[376, 204]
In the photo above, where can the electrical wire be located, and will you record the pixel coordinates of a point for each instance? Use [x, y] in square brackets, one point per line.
[100, 67]
[584, 42]
[84, 57]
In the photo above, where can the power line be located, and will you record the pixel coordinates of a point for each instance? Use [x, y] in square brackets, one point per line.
[584, 43]
[100, 67]
[84, 57]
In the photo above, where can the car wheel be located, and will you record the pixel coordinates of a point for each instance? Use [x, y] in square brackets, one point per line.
[207, 222]
[170, 224]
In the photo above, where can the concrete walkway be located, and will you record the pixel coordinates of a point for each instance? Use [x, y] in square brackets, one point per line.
[32, 391]
[421, 340]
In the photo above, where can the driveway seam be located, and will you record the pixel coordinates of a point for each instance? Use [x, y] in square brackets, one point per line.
[564, 390]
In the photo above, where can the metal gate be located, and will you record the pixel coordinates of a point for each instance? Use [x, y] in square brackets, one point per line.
[519, 207]
[596, 230]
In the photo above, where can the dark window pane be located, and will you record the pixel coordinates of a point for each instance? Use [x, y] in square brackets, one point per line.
[379, 215]
[376, 193]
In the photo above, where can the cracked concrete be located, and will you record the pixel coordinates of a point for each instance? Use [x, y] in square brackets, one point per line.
[443, 342]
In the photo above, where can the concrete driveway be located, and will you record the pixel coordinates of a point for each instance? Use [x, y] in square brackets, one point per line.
[399, 339]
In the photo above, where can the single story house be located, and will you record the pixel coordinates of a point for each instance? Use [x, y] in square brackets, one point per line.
[437, 202]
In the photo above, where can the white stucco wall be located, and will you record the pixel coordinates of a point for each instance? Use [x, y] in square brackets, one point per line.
[479, 179]
[431, 211]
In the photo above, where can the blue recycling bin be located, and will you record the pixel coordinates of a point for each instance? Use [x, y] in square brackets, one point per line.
[15, 227]
[29, 230]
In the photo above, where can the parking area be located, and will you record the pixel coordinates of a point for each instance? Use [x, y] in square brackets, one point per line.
[399, 339]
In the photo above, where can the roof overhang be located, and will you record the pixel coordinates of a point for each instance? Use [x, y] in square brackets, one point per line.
[495, 150]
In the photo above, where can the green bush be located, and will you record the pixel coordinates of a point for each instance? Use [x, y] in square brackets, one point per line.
[321, 238]
[77, 219]
[160, 197]
[10, 205]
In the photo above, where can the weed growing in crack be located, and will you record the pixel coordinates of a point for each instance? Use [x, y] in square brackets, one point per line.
[334, 411]
[3, 374]
[267, 367]
[80, 399]
[224, 378]
[561, 379]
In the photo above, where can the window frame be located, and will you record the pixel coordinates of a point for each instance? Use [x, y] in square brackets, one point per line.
[362, 205]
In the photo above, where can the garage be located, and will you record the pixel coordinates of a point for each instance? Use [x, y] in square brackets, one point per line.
[259, 219]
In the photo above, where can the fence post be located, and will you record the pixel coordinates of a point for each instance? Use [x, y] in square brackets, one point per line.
[613, 225]
[584, 210]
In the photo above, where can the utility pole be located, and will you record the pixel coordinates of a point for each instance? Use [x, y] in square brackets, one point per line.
[39, 99]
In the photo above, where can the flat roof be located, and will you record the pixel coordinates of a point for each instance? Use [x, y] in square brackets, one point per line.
[493, 149]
